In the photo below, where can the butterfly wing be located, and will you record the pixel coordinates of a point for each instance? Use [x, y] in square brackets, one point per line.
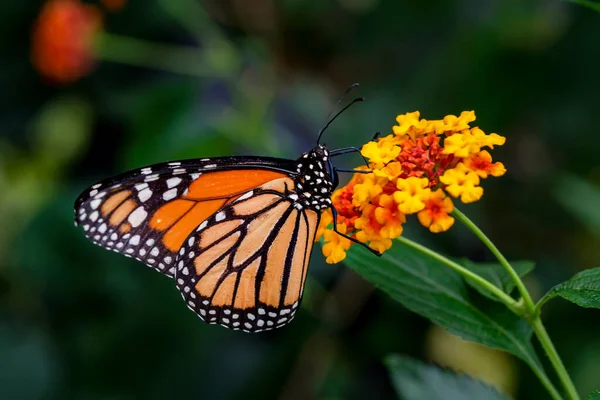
[148, 213]
[245, 266]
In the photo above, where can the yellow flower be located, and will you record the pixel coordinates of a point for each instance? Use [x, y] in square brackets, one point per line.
[469, 142]
[370, 188]
[336, 245]
[415, 170]
[435, 214]
[487, 140]
[405, 122]
[457, 124]
[326, 220]
[461, 145]
[391, 171]
[410, 193]
[380, 153]
[462, 182]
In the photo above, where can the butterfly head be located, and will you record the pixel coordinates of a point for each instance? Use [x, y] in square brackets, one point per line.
[316, 178]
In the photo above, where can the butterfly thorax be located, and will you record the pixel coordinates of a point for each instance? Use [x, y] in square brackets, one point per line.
[314, 181]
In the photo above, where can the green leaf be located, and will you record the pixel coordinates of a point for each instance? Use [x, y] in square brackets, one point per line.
[582, 289]
[431, 289]
[414, 380]
[586, 3]
[496, 274]
[595, 395]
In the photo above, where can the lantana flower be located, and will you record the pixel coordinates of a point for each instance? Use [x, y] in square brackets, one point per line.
[419, 169]
[63, 40]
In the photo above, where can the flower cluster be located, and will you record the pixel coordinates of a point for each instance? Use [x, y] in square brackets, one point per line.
[418, 169]
[63, 38]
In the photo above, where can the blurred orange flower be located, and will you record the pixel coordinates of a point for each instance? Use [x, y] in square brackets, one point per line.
[416, 170]
[62, 41]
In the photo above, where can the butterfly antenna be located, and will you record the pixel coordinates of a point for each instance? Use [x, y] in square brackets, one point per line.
[341, 99]
[357, 100]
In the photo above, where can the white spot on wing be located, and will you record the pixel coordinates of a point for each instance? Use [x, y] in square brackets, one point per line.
[246, 196]
[172, 182]
[202, 226]
[145, 195]
[135, 240]
[170, 194]
[220, 216]
[137, 217]
[95, 203]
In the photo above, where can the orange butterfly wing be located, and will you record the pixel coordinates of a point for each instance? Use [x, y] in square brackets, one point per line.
[149, 214]
[236, 233]
[245, 266]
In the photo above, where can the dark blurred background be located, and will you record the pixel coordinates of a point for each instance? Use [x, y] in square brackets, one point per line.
[174, 79]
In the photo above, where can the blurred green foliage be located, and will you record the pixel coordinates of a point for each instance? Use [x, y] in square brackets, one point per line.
[413, 380]
[79, 322]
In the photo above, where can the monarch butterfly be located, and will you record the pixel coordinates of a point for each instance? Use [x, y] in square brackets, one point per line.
[235, 233]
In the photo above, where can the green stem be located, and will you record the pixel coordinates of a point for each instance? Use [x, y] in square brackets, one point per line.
[506, 299]
[218, 51]
[177, 59]
[192, 17]
[559, 367]
[503, 297]
[533, 316]
[539, 372]
[529, 304]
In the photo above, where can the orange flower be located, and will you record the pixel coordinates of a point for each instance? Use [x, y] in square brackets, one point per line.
[63, 36]
[415, 171]
[435, 214]
[335, 249]
[481, 164]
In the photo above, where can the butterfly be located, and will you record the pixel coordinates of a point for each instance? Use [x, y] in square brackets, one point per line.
[235, 233]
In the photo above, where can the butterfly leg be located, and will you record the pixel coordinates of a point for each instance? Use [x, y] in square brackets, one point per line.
[347, 150]
[334, 212]
[356, 171]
